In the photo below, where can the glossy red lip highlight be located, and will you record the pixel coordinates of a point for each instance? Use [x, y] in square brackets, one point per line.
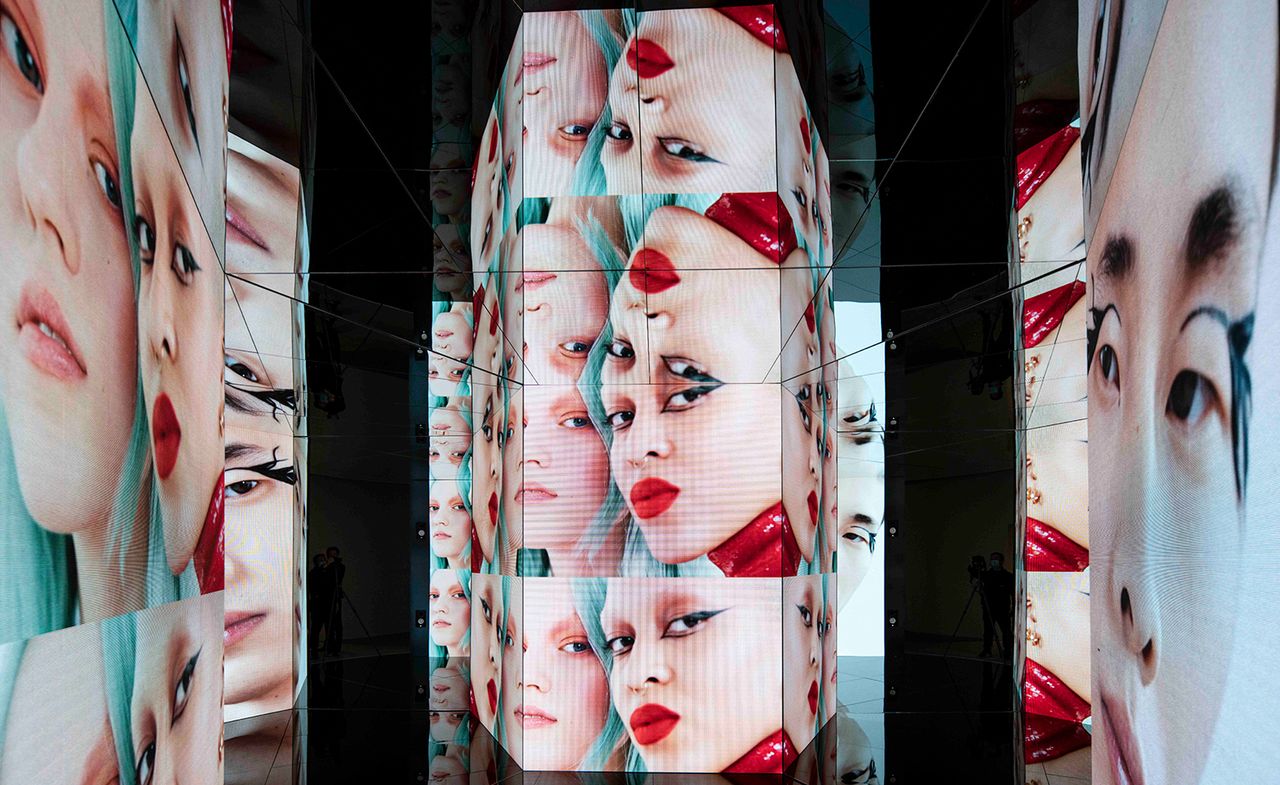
[652, 497]
[759, 220]
[648, 59]
[1049, 550]
[493, 507]
[758, 20]
[166, 435]
[804, 134]
[652, 722]
[491, 689]
[652, 272]
[45, 335]
[810, 320]
[813, 698]
[813, 507]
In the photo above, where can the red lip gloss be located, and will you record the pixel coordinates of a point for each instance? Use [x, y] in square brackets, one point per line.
[652, 497]
[652, 722]
[652, 272]
[648, 59]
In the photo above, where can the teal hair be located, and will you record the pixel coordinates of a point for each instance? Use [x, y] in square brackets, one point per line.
[637, 559]
[464, 578]
[499, 724]
[533, 210]
[10, 661]
[589, 595]
[119, 657]
[588, 175]
[827, 606]
[161, 585]
[39, 577]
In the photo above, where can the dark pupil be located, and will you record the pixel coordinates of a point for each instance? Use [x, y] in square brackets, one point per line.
[146, 763]
[27, 64]
[1183, 393]
[243, 487]
[1108, 359]
[242, 370]
[113, 190]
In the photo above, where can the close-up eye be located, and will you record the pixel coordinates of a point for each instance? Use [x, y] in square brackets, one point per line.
[620, 644]
[184, 264]
[433, 453]
[237, 489]
[239, 368]
[688, 623]
[182, 690]
[860, 535]
[621, 419]
[621, 349]
[619, 132]
[455, 456]
[486, 611]
[184, 83]
[107, 182]
[576, 132]
[686, 369]
[576, 647]
[19, 52]
[686, 399]
[806, 615]
[1190, 397]
[574, 348]
[576, 420]
[800, 197]
[146, 240]
[434, 507]
[678, 148]
[487, 430]
[146, 766]
[1109, 364]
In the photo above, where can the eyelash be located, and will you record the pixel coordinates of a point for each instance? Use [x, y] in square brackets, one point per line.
[184, 263]
[184, 87]
[692, 621]
[684, 151]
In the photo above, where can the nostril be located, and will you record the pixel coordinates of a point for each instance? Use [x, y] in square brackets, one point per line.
[1148, 653]
[1126, 606]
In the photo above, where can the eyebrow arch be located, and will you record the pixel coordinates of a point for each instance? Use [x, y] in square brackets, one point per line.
[1213, 229]
[1117, 257]
[1217, 314]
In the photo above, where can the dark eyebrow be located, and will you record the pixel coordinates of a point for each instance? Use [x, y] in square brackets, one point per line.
[1213, 229]
[1217, 314]
[1117, 257]
[240, 449]
[862, 518]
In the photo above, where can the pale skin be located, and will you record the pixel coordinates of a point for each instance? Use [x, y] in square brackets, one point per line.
[66, 250]
[1172, 271]
[667, 636]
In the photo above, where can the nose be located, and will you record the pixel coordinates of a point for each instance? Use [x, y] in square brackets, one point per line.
[651, 671]
[535, 676]
[1141, 629]
[44, 177]
[161, 335]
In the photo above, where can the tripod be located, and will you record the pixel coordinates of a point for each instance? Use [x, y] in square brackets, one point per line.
[334, 613]
[999, 639]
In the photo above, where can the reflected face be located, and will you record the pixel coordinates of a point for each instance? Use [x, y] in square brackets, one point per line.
[803, 633]
[184, 58]
[177, 694]
[486, 660]
[451, 262]
[670, 95]
[565, 698]
[511, 638]
[670, 391]
[488, 417]
[449, 609]
[565, 469]
[444, 375]
[37, 716]
[488, 197]
[856, 762]
[450, 522]
[451, 333]
[259, 484]
[861, 518]
[565, 300]
[68, 361]
[1058, 612]
[511, 442]
[565, 83]
[802, 462]
[181, 339]
[445, 725]
[449, 187]
[830, 673]
[448, 690]
[666, 638]
[1172, 273]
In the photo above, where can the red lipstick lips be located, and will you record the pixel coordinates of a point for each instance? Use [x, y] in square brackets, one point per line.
[166, 434]
[648, 59]
[652, 272]
[813, 698]
[45, 335]
[491, 690]
[652, 722]
[813, 508]
[652, 497]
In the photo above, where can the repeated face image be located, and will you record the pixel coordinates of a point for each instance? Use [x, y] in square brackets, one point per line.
[449, 611]
[637, 273]
[1172, 291]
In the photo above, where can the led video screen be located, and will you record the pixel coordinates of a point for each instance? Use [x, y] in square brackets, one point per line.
[1181, 394]
[633, 419]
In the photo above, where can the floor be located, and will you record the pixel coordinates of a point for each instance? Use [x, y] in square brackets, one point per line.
[362, 720]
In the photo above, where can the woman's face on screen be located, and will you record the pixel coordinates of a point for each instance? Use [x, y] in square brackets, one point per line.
[68, 363]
